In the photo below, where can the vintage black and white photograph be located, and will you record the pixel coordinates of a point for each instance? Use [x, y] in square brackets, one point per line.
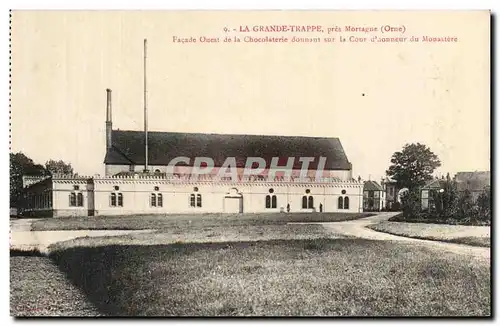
[250, 163]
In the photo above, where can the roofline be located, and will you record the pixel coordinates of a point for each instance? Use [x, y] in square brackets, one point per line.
[218, 166]
[231, 134]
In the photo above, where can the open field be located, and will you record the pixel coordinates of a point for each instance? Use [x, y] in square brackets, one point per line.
[185, 221]
[39, 288]
[207, 234]
[338, 277]
[470, 235]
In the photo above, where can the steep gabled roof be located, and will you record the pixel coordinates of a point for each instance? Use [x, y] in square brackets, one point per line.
[128, 148]
[435, 184]
[372, 185]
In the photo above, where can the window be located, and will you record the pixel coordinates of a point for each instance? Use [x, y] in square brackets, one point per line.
[195, 199]
[75, 198]
[343, 192]
[79, 201]
[157, 188]
[156, 200]
[343, 202]
[271, 200]
[346, 202]
[116, 188]
[116, 199]
[311, 202]
[76, 187]
[307, 201]
[157, 171]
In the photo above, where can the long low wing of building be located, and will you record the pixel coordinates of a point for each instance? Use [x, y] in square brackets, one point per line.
[59, 196]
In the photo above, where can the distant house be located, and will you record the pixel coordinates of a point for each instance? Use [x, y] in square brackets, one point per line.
[429, 191]
[392, 193]
[474, 182]
[373, 196]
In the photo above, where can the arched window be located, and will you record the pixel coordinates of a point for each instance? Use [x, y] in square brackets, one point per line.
[120, 199]
[113, 199]
[192, 200]
[304, 201]
[340, 203]
[310, 202]
[268, 201]
[346, 202]
[153, 200]
[157, 171]
[79, 199]
[198, 200]
[160, 200]
[72, 199]
[274, 201]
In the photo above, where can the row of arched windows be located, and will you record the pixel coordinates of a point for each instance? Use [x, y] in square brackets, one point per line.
[156, 200]
[271, 201]
[116, 199]
[195, 198]
[343, 202]
[76, 199]
[307, 202]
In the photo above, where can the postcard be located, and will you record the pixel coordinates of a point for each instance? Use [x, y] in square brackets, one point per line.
[250, 163]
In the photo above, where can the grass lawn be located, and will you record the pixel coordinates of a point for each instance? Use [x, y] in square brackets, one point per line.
[337, 277]
[470, 235]
[208, 234]
[39, 288]
[186, 221]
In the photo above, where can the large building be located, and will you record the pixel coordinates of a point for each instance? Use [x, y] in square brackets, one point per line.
[172, 180]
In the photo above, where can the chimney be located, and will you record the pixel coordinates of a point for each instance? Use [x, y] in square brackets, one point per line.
[109, 123]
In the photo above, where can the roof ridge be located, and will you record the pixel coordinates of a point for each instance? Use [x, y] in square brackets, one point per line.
[226, 134]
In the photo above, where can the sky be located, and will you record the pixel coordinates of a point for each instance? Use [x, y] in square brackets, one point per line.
[375, 97]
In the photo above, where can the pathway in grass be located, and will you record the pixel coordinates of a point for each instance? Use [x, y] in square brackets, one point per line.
[38, 288]
[469, 235]
[361, 229]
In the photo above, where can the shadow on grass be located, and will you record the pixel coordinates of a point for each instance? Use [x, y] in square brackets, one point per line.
[113, 277]
[275, 278]
[26, 253]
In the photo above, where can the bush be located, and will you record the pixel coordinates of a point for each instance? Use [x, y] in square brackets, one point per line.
[451, 207]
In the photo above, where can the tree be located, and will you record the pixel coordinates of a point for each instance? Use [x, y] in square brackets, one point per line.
[58, 167]
[413, 166]
[484, 206]
[410, 203]
[21, 165]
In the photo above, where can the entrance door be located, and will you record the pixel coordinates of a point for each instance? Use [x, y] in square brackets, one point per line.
[233, 201]
[233, 205]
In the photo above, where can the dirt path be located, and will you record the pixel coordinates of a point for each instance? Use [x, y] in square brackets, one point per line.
[22, 238]
[357, 228]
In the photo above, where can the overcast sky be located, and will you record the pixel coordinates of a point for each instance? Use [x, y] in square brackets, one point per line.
[374, 97]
